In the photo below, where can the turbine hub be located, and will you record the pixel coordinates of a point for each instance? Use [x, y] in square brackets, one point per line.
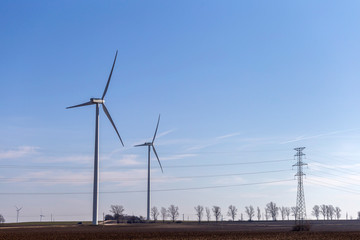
[97, 100]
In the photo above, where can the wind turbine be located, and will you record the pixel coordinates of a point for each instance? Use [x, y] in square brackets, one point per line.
[150, 145]
[17, 213]
[97, 102]
[41, 215]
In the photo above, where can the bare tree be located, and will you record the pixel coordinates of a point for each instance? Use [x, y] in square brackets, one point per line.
[316, 211]
[330, 212]
[154, 213]
[273, 210]
[294, 211]
[267, 215]
[358, 215]
[117, 210]
[164, 213]
[323, 210]
[2, 219]
[173, 212]
[287, 212]
[258, 214]
[232, 212]
[199, 212]
[327, 212]
[283, 213]
[217, 212]
[208, 214]
[338, 213]
[251, 212]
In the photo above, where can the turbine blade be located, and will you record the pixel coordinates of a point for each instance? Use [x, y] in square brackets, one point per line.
[112, 122]
[156, 129]
[108, 82]
[157, 157]
[141, 145]
[81, 105]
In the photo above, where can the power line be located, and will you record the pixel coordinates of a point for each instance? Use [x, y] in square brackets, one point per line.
[353, 183]
[41, 167]
[347, 171]
[29, 180]
[343, 189]
[336, 180]
[140, 191]
[227, 164]
[174, 166]
[336, 158]
[228, 152]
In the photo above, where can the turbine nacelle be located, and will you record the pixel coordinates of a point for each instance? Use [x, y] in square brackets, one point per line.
[144, 144]
[151, 144]
[97, 100]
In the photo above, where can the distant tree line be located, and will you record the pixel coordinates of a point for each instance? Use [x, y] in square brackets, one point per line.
[271, 212]
[172, 212]
[117, 213]
[328, 212]
[2, 219]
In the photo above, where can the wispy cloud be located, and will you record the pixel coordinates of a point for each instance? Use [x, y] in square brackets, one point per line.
[159, 135]
[229, 135]
[76, 159]
[128, 160]
[178, 156]
[51, 177]
[230, 180]
[198, 147]
[212, 142]
[248, 141]
[19, 152]
[165, 133]
[301, 138]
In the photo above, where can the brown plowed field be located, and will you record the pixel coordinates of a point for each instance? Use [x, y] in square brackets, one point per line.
[239, 230]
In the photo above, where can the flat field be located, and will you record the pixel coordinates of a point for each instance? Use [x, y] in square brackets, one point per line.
[279, 230]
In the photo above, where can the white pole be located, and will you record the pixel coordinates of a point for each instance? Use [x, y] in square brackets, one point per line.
[148, 192]
[96, 170]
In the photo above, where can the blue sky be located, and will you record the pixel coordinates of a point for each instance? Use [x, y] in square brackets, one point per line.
[236, 82]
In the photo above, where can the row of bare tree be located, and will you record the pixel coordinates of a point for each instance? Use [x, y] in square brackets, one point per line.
[172, 212]
[271, 212]
[329, 212]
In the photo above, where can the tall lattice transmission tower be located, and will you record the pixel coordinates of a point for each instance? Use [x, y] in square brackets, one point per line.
[300, 200]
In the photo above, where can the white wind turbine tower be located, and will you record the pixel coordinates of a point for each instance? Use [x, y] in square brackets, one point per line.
[41, 216]
[150, 145]
[96, 102]
[17, 213]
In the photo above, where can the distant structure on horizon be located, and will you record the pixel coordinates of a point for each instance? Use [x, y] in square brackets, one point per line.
[150, 145]
[17, 213]
[300, 200]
